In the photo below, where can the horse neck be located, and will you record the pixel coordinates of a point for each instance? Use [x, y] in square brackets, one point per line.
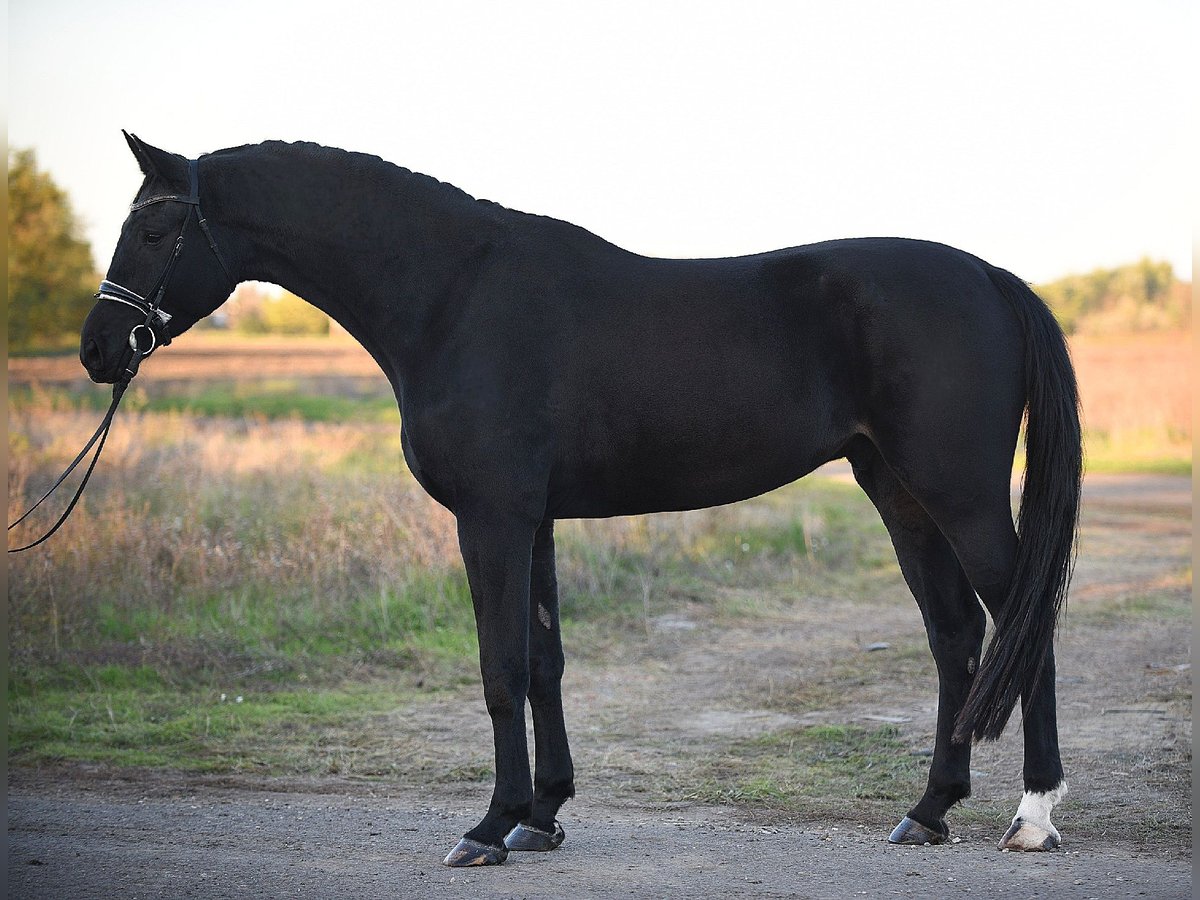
[372, 245]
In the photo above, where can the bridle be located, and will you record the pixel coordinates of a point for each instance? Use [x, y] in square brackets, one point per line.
[155, 328]
[157, 319]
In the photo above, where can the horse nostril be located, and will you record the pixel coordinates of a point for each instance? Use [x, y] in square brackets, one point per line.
[91, 356]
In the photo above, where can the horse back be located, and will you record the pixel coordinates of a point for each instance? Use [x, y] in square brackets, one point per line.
[631, 384]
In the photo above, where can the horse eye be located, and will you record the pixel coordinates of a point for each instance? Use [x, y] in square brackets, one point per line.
[153, 237]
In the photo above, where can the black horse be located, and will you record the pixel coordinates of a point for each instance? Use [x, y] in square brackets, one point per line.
[543, 373]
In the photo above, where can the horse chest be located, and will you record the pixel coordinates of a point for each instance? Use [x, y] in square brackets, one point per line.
[429, 468]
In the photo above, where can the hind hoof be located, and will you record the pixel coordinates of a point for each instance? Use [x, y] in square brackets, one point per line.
[473, 853]
[910, 831]
[1027, 837]
[526, 837]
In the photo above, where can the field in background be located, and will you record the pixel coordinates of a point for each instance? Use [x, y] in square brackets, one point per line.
[1136, 388]
[1137, 400]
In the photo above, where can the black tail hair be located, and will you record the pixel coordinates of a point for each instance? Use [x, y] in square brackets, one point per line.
[1047, 525]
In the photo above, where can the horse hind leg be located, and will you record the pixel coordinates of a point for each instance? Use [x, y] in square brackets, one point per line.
[980, 533]
[1045, 786]
[954, 622]
[554, 774]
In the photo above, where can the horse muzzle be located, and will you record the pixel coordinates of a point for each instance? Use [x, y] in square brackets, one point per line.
[92, 358]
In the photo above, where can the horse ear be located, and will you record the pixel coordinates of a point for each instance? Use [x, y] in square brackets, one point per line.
[170, 167]
[139, 153]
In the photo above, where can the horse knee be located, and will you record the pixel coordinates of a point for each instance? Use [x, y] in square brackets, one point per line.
[504, 696]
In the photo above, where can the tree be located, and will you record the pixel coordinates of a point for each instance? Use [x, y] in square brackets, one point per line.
[1141, 296]
[50, 271]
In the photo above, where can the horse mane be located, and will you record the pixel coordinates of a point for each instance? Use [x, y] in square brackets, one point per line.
[367, 163]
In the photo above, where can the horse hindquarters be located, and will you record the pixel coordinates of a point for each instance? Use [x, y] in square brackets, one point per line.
[926, 440]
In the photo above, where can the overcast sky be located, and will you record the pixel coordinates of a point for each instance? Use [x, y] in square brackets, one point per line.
[1045, 137]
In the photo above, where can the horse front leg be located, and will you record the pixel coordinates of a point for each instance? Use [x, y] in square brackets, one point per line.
[497, 550]
[554, 775]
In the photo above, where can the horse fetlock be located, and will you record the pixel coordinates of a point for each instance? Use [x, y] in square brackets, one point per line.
[559, 789]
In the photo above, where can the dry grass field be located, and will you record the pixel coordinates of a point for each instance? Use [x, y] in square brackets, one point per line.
[1137, 399]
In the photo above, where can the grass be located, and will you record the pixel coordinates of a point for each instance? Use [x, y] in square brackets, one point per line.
[1145, 452]
[817, 771]
[133, 717]
[251, 555]
[1165, 605]
[266, 399]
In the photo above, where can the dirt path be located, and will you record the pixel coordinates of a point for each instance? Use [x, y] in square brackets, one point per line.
[700, 684]
[218, 843]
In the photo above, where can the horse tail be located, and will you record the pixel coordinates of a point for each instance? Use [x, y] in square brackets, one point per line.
[1047, 524]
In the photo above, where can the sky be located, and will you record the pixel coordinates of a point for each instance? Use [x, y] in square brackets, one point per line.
[1047, 138]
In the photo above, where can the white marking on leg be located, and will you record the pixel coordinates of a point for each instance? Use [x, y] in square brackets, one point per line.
[1031, 827]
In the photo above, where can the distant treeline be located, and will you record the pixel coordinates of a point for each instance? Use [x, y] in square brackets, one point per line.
[1141, 296]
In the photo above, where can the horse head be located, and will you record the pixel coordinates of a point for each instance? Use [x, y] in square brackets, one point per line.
[158, 284]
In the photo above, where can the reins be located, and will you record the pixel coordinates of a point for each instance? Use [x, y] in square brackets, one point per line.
[155, 327]
[101, 435]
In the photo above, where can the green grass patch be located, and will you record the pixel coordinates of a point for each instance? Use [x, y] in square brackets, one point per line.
[280, 399]
[147, 723]
[1130, 465]
[426, 624]
[1147, 451]
[1157, 606]
[284, 405]
[813, 772]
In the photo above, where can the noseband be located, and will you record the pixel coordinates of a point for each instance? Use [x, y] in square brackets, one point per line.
[155, 325]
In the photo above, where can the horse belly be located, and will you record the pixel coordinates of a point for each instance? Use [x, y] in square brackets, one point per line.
[691, 453]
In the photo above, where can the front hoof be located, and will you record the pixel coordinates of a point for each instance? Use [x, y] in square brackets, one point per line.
[473, 853]
[910, 831]
[1026, 836]
[526, 837]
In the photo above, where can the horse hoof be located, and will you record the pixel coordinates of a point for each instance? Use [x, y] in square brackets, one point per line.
[526, 837]
[473, 853]
[1026, 836]
[910, 831]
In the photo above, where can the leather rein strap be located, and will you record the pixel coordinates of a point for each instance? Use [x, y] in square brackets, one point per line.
[154, 326]
[101, 435]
